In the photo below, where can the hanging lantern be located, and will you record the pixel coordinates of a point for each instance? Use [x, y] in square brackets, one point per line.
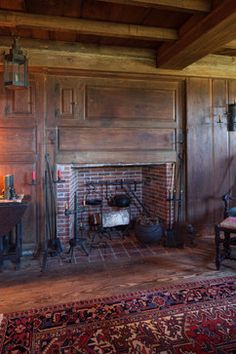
[15, 68]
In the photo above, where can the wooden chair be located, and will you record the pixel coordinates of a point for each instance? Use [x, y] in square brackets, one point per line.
[227, 228]
[229, 205]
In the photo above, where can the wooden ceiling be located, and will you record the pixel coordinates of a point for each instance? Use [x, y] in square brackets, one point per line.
[180, 31]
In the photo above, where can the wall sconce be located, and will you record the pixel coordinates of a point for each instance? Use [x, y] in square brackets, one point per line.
[226, 116]
[219, 117]
[15, 68]
[231, 116]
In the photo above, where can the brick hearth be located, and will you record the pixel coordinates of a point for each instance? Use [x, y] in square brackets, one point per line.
[153, 183]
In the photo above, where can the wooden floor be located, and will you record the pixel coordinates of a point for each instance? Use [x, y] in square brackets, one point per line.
[63, 283]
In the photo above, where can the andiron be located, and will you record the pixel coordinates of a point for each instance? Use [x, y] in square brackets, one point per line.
[77, 240]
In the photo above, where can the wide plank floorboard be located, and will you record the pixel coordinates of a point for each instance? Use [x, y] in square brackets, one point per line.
[64, 283]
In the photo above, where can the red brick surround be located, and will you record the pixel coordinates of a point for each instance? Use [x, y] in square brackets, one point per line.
[152, 192]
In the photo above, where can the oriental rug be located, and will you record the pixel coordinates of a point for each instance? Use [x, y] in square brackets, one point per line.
[196, 317]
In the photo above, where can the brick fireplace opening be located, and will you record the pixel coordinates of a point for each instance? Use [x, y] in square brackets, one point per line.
[148, 187]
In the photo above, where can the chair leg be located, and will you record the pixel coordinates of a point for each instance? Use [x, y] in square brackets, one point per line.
[217, 245]
[226, 244]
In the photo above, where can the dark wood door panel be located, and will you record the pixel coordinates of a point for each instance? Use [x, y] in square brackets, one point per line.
[232, 139]
[22, 147]
[221, 177]
[80, 98]
[21, 103]
[88, 158]
[200, 164]
[65, 98]
[130, 103]
[15, 140]
[107, 139]
[211, 149]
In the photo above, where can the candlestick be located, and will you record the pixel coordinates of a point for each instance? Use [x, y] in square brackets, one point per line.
[58, 180]
[33, 179]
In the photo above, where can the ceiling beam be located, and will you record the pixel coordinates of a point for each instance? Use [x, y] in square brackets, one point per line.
[230, 45]
[98, 28]
[209, 34]
[227, 49]
[50, 46]
[60, 56]
[184, 5]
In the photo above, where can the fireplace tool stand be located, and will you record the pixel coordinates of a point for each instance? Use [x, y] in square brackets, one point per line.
[52, 245]
[78, 239]
[172, 232]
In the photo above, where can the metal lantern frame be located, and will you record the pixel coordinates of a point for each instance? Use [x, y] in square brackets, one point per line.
[15, 67]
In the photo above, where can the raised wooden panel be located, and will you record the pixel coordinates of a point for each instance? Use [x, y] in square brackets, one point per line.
[22, 147]
[129, 103]
[66, 105]
[21, 102]
[113, 119]
[221, 175]
[143, 157]
[106, 139]
[9, 157]
[211, 149]
[17, 140]
[67, 99]
[200, 164]
[232, 140]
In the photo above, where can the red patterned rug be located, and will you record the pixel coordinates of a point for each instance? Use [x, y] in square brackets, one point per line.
[189, 318]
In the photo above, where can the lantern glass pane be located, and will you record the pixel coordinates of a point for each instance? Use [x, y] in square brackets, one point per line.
[15, 69]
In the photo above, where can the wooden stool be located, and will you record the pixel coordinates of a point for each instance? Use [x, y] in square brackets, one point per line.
[228, 227]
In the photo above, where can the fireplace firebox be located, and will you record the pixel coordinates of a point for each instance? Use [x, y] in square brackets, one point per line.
[142, 189]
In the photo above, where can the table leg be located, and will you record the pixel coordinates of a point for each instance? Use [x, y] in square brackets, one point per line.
[217, 245]
[18, 245]
[1, 253]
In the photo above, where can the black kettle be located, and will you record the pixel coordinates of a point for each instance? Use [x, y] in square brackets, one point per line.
[120, 200]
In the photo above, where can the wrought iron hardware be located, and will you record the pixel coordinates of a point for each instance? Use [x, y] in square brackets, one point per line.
[7, 110]
[57, 88]
[74, 107]
[57, 113]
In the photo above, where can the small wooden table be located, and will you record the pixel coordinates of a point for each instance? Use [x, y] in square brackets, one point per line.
[227, 227]
[11, 213]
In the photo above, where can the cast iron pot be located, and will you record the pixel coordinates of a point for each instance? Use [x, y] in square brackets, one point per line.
[148, 233]
[120, 200]
[93, 201]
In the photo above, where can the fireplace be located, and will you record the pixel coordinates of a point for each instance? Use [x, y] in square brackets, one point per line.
[147, 186]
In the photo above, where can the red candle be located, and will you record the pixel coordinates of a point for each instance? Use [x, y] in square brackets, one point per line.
[33, 175]
[59, 174]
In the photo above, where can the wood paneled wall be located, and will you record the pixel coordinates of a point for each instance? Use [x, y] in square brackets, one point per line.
[112, 120]
[102, 120]
[211, 149]
[22, 147]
